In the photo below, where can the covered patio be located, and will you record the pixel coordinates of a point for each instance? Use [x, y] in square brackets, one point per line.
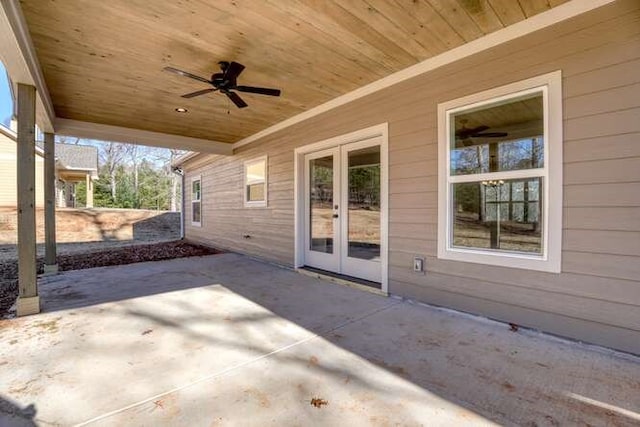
[225, 339]
[229, 339]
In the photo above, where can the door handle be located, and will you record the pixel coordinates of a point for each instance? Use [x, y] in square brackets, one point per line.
[335, 215]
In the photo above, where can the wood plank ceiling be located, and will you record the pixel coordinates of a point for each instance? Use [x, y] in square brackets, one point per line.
[103, 60]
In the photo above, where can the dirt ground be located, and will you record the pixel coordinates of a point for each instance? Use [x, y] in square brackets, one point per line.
[82, 230]
[100, 257]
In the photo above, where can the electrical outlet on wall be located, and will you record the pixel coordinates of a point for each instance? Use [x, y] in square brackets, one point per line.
[418, 264]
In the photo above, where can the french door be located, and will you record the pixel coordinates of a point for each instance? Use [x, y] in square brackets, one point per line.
[343, 209]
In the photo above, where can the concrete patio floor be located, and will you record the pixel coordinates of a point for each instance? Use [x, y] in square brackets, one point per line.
[226, 340]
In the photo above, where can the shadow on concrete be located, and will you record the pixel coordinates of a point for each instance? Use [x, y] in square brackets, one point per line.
[13, 415]
[500, 375]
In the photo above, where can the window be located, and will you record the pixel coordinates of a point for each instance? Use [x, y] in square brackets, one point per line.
[196, 201]
[255, 182]
[500, 180]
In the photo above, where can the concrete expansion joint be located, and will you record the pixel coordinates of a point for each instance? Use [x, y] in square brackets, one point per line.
[240, 365]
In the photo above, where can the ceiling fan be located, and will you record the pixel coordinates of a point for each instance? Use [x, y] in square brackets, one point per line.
[464, 134]
[225, 82]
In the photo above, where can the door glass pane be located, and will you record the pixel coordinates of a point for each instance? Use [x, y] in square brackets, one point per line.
[364, 203]
[321, 204]
[501, 215]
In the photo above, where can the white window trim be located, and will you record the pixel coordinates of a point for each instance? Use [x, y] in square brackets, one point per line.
[551, 86]
[194, 179]
[260, 203]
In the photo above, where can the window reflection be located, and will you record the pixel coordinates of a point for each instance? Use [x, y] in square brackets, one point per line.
[499, 215]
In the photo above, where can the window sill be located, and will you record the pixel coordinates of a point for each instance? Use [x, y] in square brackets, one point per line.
[502, 259]
[255, 204]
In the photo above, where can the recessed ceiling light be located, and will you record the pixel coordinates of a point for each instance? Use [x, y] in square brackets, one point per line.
[181, 110]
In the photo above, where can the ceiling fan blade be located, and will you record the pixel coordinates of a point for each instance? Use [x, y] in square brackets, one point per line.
[490, 135]
[232, 71]
[465, 132]
[198, 93]
[235, 98]
[186, 74]
[259, 90]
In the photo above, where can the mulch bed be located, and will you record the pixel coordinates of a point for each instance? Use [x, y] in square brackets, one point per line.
[104, 258]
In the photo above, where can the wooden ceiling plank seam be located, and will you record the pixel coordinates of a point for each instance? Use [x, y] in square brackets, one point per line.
[509, 11]
[337, 34]
[334, 75]
[354, 24]
[386, 27]
[458, 19]
[533, 7]
[403, 20]
[339, 46]
[483, 15]
[430, 18]
[273, 46]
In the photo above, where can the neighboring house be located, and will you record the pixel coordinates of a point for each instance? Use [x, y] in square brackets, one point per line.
[8, 173]
[505, 184]
[74, 164]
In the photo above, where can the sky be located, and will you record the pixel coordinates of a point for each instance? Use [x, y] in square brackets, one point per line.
[6, 103]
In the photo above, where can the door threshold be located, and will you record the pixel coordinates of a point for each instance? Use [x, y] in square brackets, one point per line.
[341, 279]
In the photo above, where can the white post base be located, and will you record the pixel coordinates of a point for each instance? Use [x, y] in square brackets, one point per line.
[27, 306]
[50, 270]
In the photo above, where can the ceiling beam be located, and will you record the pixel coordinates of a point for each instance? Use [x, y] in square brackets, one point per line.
[21, 62]
[102, 132]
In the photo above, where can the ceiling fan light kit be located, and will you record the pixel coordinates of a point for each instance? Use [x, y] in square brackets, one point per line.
[224, 82]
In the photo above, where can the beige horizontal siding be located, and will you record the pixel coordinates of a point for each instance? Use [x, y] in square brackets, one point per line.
[8, 174]
[597, 296]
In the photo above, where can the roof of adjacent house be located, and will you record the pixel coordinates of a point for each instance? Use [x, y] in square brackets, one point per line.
[82, 157]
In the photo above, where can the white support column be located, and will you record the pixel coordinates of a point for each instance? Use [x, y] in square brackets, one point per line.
[50, 259]
[28, 299]
[89, 193]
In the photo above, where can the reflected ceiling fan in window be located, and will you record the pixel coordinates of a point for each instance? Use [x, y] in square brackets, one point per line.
[225, 82]
[464, 134]
[478, 132]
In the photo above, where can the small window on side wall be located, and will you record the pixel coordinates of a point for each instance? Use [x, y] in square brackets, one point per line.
[255, 182]
[500, 179]
[196, 201]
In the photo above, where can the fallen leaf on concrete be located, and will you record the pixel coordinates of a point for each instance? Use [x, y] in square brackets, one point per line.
[318, 402]
[513, 327]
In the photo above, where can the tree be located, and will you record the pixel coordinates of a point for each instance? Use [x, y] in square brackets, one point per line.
[112, 155]
[134, 152]
[174, 154]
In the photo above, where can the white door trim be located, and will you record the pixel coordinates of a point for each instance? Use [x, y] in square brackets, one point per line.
[325, 261]
[382, 131]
